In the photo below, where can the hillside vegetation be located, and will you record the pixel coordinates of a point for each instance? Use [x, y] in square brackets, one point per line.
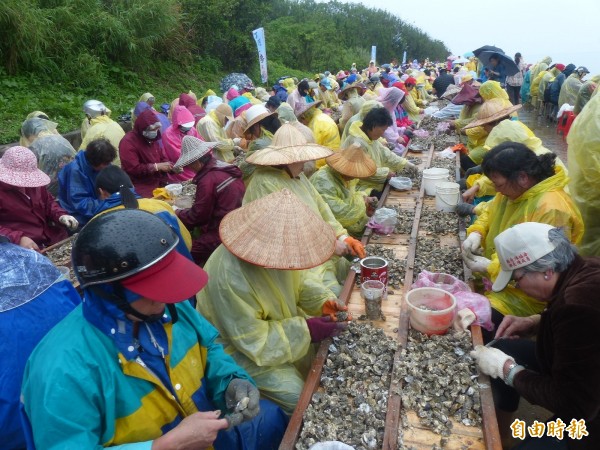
[55, 54]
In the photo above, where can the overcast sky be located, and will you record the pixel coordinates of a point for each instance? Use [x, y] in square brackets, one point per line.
[568, 31]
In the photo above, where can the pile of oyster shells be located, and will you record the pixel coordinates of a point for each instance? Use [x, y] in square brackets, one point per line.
[61, 256]
[446, 163]
[406, 218]
[396, 266]
[434, 257]
[189, 189]
[414, 174]
[439, 380]
[351, 403]
[438, 222]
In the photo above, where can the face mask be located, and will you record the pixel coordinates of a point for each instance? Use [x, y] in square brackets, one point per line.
[151, 135]
[185, 130]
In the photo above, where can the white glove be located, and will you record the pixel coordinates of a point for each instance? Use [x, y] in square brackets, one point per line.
[409, 165]
[472, 244]
[236, 141]
[69, 221]
[490, 360]
[476, 263]
[464, 318]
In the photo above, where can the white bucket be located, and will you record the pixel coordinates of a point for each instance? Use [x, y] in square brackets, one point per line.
[447, 196]
[433, 176]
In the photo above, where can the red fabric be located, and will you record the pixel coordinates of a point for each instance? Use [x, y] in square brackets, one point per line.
[138, 156]
[400, 85]
[31, 212]
[213, 200]
[189, 102]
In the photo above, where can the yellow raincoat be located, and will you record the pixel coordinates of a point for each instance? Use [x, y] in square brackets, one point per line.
[513, 131]
[467, 115]
[364, 110]
[265, 139]
[411, 107]
[346, 203]
[330, 99]
[325, 130]
[386, 160]
[261, 317]
[585, 93]
[535, 83]
[584, 166]
[350, 107]
[546, 202]
[252, 98]
[476, 136]
[535, 71]
[569, 90]
[104, 127]
[211, 129]
[267, 180]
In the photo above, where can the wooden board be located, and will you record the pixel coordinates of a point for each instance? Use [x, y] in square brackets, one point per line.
[396, 326]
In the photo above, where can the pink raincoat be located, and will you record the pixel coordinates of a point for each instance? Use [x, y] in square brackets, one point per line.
[390, 98]
[172, 138]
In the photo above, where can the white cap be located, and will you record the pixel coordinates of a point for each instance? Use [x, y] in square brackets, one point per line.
[518, 247]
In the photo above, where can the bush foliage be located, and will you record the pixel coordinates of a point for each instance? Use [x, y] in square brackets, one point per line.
[55, 54]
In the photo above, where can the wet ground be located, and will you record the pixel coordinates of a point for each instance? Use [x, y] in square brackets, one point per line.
[545, 130]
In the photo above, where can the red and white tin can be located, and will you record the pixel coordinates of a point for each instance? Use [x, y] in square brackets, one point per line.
[374, 268]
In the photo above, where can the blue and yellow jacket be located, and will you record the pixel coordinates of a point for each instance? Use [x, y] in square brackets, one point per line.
[106, 388]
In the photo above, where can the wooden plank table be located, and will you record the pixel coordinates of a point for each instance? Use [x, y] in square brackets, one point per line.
[396, 326]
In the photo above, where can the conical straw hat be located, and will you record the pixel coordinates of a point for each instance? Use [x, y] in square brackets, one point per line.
[352, 162]
[278, 231]
[491, 111]
[288, 146]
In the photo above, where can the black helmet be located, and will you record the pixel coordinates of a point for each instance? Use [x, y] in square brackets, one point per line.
[581, 70]
[119, 244]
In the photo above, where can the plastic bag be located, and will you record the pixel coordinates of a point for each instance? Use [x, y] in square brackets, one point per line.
[444, 281]
[401, 183]
[383, 221]
[430, 110]
[477, 303]
[447, 153]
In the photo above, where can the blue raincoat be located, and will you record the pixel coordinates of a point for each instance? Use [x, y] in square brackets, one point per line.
[34, 297]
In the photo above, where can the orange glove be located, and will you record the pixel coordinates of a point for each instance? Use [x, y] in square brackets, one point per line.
[332, 307]
[460, 148]
[356, 247]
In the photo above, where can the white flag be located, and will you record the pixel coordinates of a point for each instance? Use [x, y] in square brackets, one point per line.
[259, 37]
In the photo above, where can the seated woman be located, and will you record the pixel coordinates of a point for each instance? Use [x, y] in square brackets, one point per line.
[29, 215]
[280, 166]
[183, 125]
[336, 182]
[77, 193]
[367, 134]
[259, 296]
[530, 188]
[560, 370]
[390, 98]
[115, 191]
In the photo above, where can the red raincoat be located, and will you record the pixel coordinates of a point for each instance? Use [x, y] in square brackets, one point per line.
[30, 212]
[138, 156]
[219, 190]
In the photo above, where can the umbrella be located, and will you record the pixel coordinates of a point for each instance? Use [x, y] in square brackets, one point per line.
[487, 48]
[505, 60]
[468, 54]
[239, 79]
[460, 60]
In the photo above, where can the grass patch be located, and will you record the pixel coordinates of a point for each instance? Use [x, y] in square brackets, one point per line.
[119, 89]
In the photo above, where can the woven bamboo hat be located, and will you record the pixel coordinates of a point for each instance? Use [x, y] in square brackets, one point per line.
[491, 111]
[352, 162]
[360, 88]
[288, 146]
[278, 231]
[301, 108]
[255, 114]
[192, 149]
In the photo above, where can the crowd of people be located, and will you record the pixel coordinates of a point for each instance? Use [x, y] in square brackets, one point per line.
[197, 325]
